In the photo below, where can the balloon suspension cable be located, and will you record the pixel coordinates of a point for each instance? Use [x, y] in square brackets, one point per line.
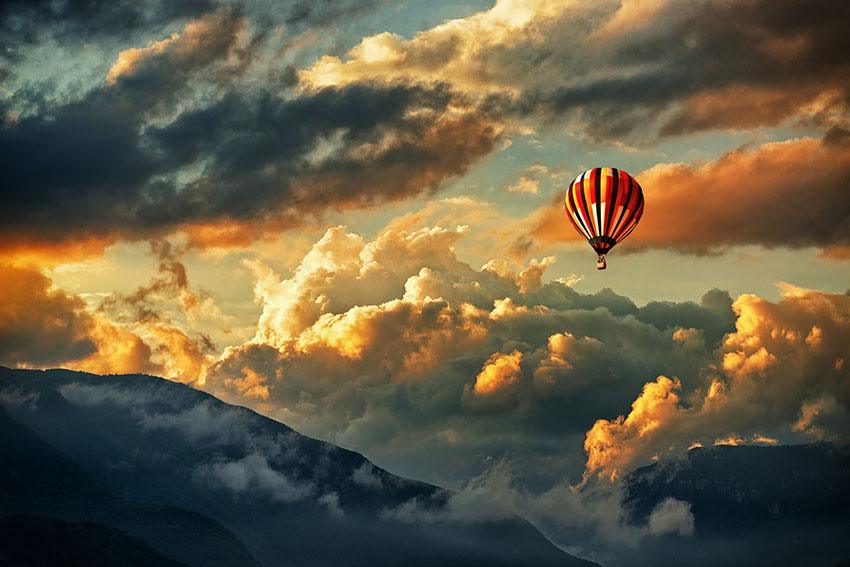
[600, 263]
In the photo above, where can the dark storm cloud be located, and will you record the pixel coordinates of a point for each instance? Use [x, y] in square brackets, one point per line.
[90, 168]
[714, 64]
[320, 12]
[183, 135]
[21, 21]
[97, 166]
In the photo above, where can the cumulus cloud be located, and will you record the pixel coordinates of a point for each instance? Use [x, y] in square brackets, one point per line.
[794, 195]
[364, 330]
[501, 371]
[780, 375]
[395, 347]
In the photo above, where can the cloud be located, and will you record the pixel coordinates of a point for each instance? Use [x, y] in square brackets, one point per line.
[590, 521]
[234, 455]
[182, 352]
[23, 251]
[456, 50]
[199, 44]
[379, 145]
[253, 475]
[161, 145]
[150, 330]
[780, 375]
[675, 71]
[525, 184]
[395, 347]
[26, 22]
[487, 498]
[42, 326]
[365, 475]
[364, 330]
[30, 21]
[671, 516]
[501, 371]
[790, 193]
[529, 181]
[201, 130]
[330, 501]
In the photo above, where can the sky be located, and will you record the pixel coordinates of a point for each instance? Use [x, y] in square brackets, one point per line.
[348, 216]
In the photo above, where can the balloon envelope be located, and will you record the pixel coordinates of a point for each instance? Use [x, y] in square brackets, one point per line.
[604, 205]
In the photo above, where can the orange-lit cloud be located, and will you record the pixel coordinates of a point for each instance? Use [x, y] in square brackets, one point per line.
[41, 326]
[171, 316]
[119, 351]
[791, 193]
[23, 251]
[200, 42]
[363, 329]
[500, 372]
[781, 372]
[455, 51]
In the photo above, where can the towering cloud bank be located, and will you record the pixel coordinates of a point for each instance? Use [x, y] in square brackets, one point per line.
[780, 375]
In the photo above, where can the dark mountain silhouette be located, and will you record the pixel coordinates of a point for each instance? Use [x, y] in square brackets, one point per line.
[290, 499]
[47, 542]
[36, 479]
[752, 505]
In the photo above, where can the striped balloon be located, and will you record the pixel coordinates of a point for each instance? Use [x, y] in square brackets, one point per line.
[604, 205]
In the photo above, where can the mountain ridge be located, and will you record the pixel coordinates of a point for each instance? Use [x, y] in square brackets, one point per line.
[750, 505]
[284, 495]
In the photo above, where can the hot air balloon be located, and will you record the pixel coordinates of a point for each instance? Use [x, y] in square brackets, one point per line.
[604, 205]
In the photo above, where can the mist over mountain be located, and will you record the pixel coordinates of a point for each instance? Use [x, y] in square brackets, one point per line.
[147, 471]
[55, 512]
[749, 505]
[133, 452]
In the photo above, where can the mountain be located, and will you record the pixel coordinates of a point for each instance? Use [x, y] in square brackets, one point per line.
[290, 499]
[37, 480]
[38, 540]
[751, 505]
